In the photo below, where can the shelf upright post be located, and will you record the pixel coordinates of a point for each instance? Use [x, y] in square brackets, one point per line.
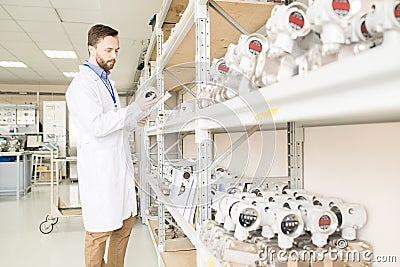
[295, 139]
[148, 175]
[144, 163]
[144, 167]
[160, 142]
[179, 101]
[202, 134]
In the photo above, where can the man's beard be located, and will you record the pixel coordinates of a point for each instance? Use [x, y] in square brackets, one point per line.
[103, 64]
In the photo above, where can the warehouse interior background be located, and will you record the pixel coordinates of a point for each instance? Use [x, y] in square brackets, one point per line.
[27, 27]
[358, 163]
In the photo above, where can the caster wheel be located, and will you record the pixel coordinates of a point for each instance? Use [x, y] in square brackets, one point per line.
[52, 220]
[46, 227]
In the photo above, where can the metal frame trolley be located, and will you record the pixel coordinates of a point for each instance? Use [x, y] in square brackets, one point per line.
[58, 209]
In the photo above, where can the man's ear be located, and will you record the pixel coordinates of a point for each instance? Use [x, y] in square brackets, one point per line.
[92, 50]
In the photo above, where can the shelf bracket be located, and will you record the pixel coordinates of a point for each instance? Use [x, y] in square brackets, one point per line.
[160, 142]
[152, 146]
[202, 47]
[143, 167]
[170, 74]
[227, 17]
[295, 138]
[180, 138]
[204, 175]
[202, 134]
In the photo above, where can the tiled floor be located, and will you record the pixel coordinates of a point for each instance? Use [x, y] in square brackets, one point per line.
[23, 245]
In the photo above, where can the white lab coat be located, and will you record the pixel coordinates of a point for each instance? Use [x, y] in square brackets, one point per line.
[105, 168]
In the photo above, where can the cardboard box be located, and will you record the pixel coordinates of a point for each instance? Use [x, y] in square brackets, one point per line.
[42, 168]
[46, 176]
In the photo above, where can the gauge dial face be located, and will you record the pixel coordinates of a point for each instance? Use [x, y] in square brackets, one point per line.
[397, 12]
[255, 47]
[290, 224]
[186, 175]
[248, 217]
[296, 20]
[324, 222]
[341, 7]
[222, 68]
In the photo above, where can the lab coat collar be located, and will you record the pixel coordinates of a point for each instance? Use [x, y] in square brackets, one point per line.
[93, 74]
[103, 74]
[89, 71]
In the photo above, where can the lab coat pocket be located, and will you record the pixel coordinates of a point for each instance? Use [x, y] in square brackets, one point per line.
[95, 164]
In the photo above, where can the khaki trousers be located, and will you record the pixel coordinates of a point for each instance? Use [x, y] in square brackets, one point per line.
[95, 246]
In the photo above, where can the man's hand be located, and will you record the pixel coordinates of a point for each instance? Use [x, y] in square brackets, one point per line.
[142, 122]
[144, 102]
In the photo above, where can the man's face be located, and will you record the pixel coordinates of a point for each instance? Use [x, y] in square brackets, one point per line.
[106, 52]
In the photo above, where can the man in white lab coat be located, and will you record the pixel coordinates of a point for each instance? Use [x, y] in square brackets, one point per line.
[105, 169]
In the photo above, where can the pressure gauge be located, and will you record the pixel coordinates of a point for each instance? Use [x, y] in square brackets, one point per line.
[248, 217]
[290, 224]
[252, 45]
[341, 7]
[324, 222]
[383, 17]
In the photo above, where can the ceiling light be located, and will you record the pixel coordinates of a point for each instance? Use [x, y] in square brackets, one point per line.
[12, 64]
[70, 74]
[60, 54]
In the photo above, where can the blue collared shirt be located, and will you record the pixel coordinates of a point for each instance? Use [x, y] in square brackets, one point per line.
[103, 74]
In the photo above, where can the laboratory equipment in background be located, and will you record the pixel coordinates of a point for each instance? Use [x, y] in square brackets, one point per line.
[55, 127]
[72, 150]
[18, 119]
[55, 124]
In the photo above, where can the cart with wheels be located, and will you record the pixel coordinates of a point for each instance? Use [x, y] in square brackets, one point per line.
[58, 208]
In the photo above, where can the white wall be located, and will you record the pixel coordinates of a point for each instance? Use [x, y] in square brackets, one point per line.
[360, 164]
[254, 157]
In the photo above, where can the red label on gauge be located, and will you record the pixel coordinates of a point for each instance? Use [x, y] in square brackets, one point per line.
[296, 20]
[397, 12]
[223, 68]
[341, 7]
[324, 222]
[255, 47]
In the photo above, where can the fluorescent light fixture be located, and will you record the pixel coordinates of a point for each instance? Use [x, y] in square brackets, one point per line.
[70, 74]
[60, 54]
[12, 64]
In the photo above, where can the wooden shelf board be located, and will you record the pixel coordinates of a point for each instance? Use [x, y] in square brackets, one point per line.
[175, 11]
[75, 211]
[153, 227]
[250, 15]
[185, 73]
[179, 258]
[171, 245]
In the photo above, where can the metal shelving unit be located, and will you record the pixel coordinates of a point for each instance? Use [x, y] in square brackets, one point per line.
[335, 94]
[200, 34]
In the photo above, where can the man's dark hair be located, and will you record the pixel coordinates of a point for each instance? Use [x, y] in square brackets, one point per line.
[98, 32]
